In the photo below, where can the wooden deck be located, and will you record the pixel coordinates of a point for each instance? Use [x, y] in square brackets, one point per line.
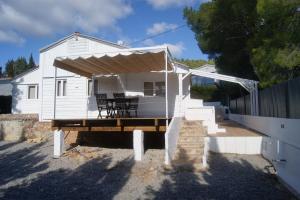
[111, 125]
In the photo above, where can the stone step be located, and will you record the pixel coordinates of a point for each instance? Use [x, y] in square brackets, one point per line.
[186, 146]
[189, 156]
[192, 139]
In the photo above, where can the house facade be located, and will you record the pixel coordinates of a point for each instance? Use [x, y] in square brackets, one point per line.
[55, 93]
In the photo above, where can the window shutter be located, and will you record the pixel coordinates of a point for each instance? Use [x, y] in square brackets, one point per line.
[95, 86]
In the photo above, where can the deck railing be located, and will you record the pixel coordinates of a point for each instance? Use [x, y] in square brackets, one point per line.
[171, 138]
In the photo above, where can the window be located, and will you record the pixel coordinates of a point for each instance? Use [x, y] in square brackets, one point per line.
[32, 92]
[61, 88]
[95, 86]
[89, 88]
[148, 89]
[160, 89]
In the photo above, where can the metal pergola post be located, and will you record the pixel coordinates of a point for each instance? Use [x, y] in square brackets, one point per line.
[166, 87]
[55, 88]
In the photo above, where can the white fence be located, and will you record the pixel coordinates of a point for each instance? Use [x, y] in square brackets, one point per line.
[171, 138]
[281, 145]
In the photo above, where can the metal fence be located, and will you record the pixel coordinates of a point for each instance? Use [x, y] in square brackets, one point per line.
[281, 100]
[5, 104]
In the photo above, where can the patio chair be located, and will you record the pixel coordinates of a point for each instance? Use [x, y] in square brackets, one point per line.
[133, 106]
[120, 106]
[102, 104]
[119, 95]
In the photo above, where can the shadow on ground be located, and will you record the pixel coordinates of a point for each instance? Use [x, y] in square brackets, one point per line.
[228, 177]
[92, 180]
[20, 163]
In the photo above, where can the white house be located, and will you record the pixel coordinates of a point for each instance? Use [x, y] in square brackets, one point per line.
[72, 69]
[55, 93]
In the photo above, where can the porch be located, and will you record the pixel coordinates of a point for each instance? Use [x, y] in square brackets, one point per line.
[155, 125]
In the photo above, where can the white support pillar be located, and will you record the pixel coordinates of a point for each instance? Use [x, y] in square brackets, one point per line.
[206, 152]
[180, 93]
[166, 86]
[138, 144]
[59, 146]
[55, 88]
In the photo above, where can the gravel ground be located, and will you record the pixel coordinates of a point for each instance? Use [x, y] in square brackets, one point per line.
[27, 171]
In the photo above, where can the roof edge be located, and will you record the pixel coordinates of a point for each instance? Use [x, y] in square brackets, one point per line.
[58, 42]
[24, 73]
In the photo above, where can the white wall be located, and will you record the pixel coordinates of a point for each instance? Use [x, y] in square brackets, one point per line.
[133, 85]
[75, 104]
[20, 102]
[282, 142]
[171, 139]
[233, 144]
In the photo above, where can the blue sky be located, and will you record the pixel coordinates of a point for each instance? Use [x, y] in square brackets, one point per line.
[26, 26]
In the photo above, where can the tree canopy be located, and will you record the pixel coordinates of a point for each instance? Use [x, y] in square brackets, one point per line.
[18, 66]
[194, 63]
[254, 39]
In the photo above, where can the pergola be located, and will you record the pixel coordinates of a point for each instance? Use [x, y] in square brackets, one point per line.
[132, 60]
[209, 71]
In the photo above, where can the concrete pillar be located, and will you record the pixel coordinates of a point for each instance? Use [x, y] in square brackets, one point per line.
[58, 143]
[138, 144]
[205, 153]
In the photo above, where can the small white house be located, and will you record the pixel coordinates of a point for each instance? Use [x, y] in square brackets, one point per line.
[56, 93]
[76, 67]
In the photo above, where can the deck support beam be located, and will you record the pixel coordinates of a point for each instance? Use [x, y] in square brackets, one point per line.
[138, 144]
[59, 146]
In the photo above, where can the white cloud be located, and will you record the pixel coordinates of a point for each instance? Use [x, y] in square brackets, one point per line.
[162, 4]
[176, 49]
[11, 37]
[149, 42]
[47, 17]
[161, 27]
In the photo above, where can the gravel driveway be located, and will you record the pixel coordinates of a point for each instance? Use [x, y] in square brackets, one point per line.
[27, 171]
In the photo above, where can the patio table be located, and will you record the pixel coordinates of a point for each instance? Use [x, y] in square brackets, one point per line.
[111, 104]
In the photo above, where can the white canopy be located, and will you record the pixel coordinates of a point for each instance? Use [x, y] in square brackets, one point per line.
[132, 60]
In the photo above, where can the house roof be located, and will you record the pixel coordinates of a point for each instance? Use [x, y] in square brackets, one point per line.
[77, 34]
[5, 87]
[134, 60]
[25, 72]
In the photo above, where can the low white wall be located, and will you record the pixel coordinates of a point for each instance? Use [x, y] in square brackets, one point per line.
[236, 145]
[171, 138]
[205, 114]
[281, 145]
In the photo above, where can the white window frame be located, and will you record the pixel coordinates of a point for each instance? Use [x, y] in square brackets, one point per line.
[36, 93]
[155, 92]
[89, 88]
[154, 89]
[60, 92]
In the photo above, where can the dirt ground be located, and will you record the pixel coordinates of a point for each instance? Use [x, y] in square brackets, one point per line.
[28, 171]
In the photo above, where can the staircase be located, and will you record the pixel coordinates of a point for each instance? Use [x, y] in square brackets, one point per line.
[190, 146]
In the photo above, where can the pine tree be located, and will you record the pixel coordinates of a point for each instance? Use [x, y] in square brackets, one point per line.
[31, 62]
[9, 68]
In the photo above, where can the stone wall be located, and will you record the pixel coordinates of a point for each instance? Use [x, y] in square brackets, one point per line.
[16, 127]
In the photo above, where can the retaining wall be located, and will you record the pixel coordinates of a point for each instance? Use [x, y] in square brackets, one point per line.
[281, 145]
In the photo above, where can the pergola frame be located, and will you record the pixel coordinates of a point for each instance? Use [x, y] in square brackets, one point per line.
[77, 61]
[249, 85]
